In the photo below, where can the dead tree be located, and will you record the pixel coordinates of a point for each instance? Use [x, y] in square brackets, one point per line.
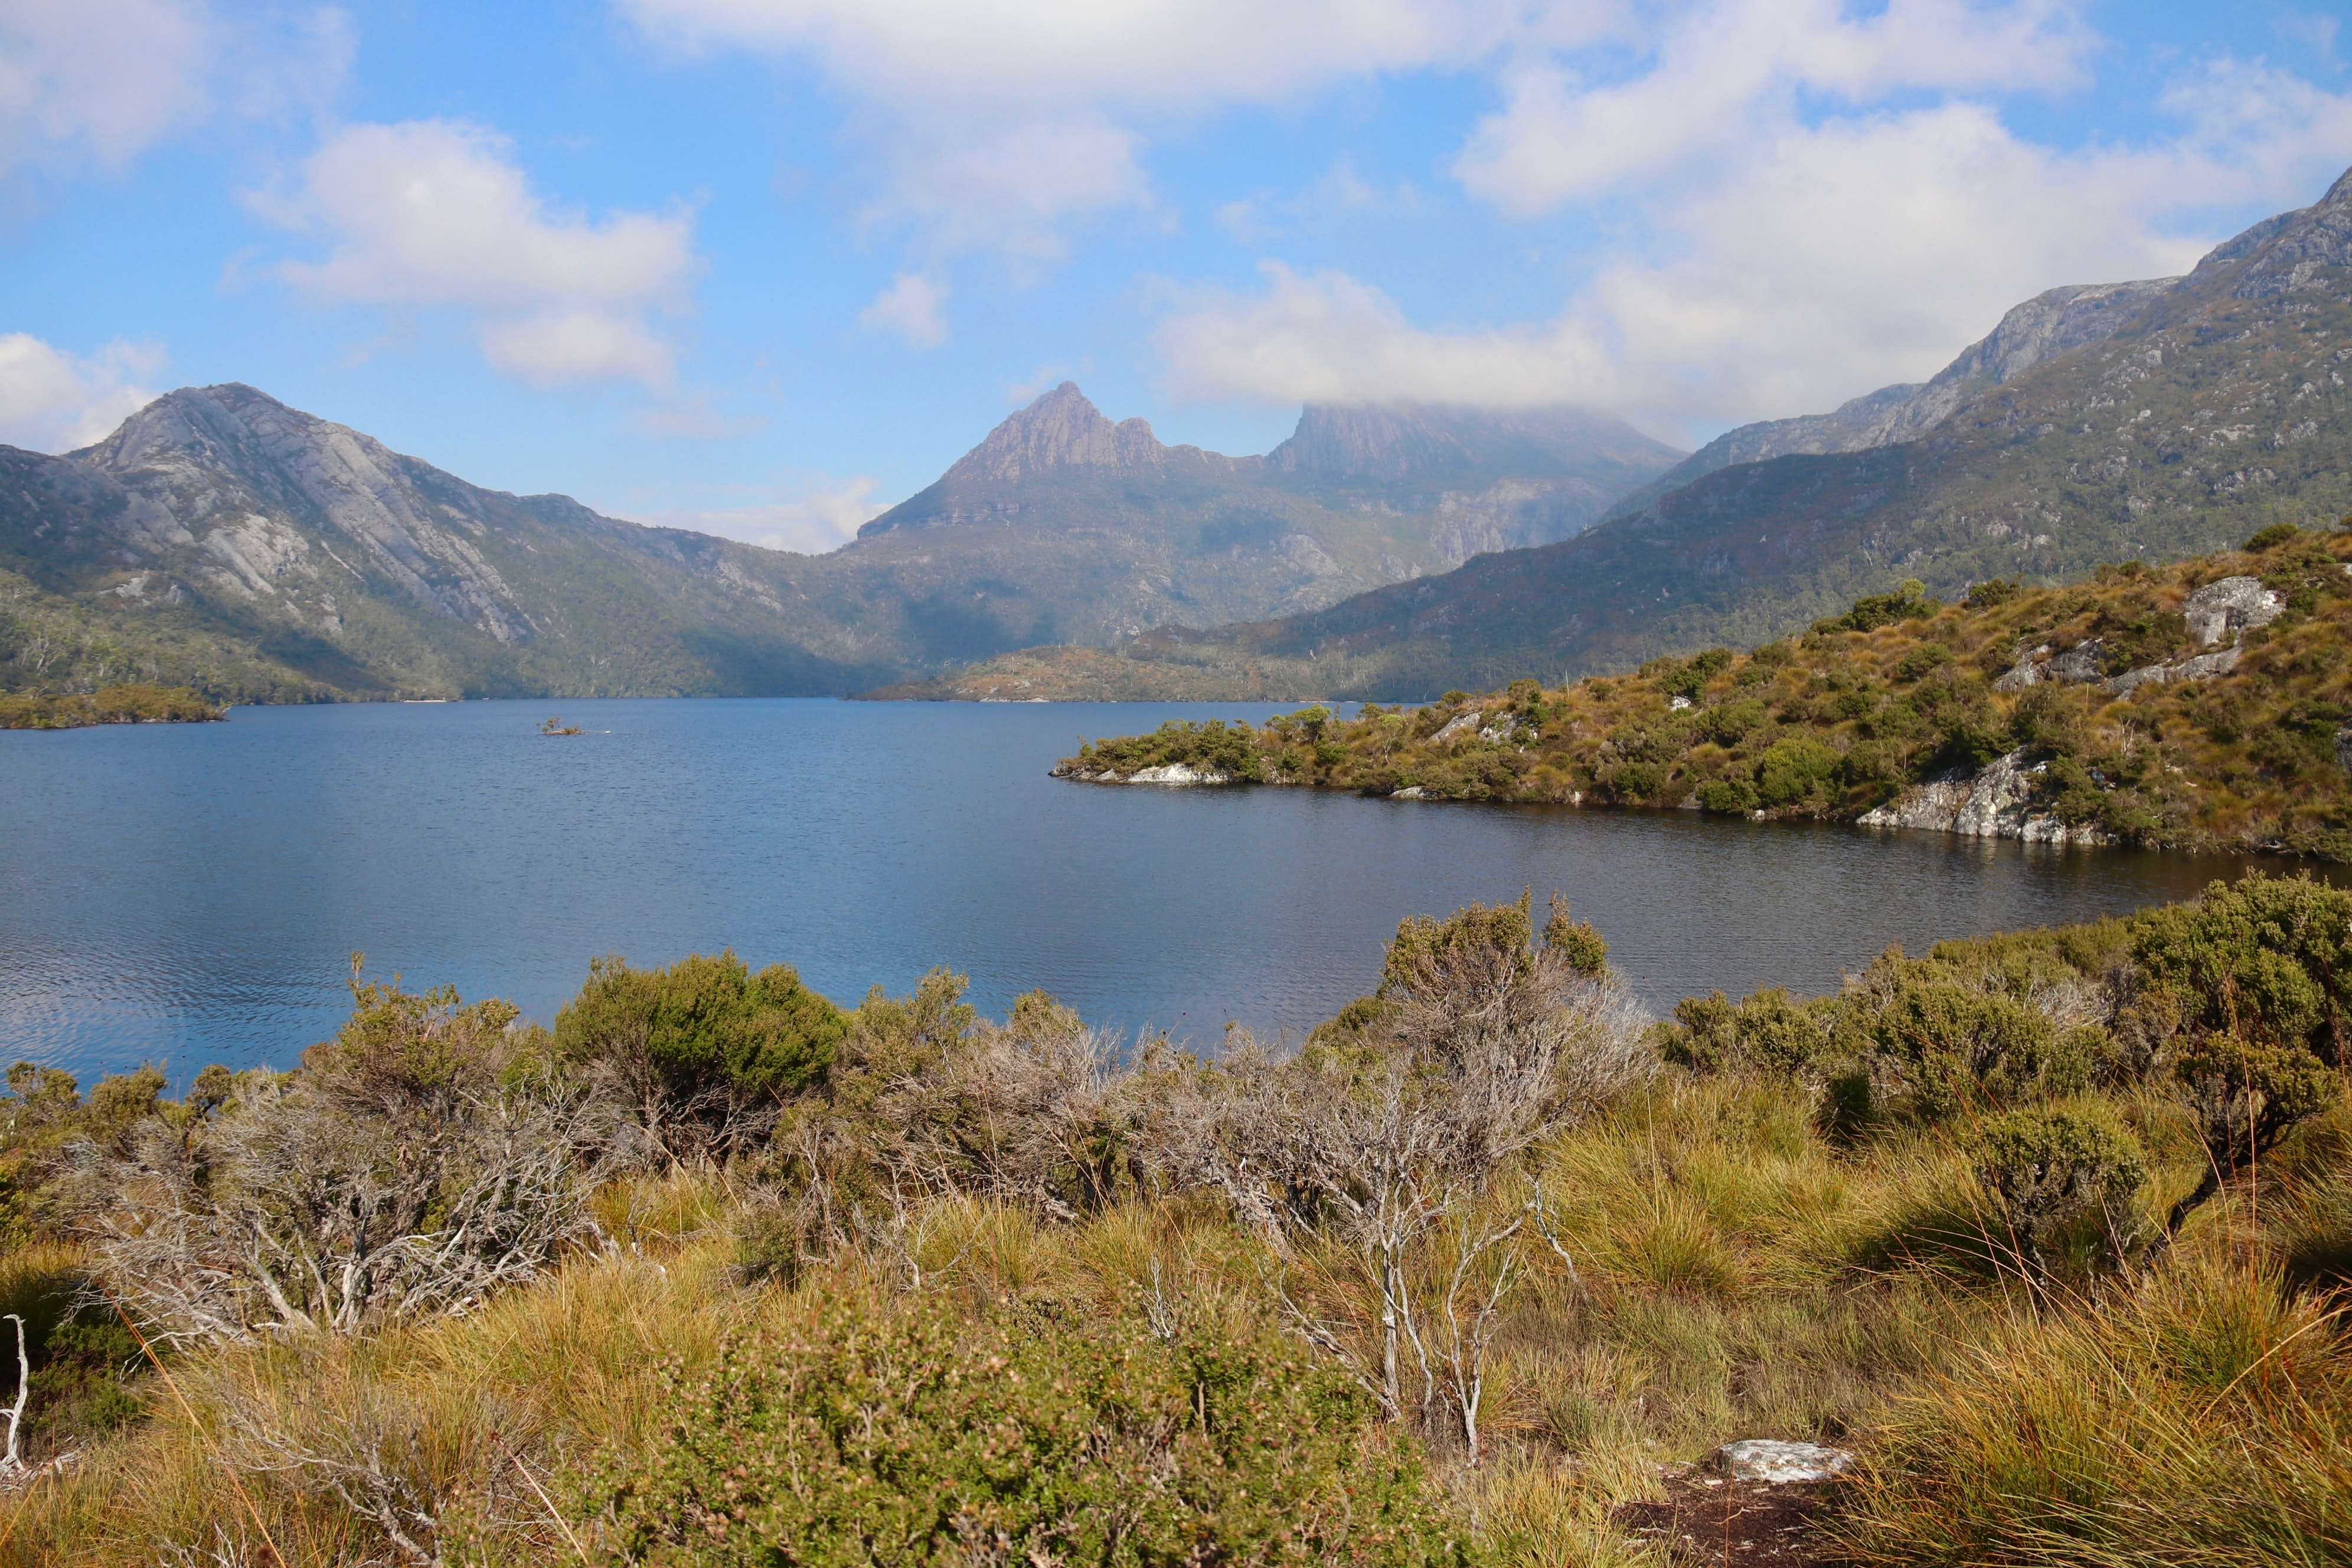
[1484, 1045]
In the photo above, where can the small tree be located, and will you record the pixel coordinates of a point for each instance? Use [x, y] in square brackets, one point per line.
[1388, 1134]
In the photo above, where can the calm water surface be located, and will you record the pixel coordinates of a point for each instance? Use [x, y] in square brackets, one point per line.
[191, 893]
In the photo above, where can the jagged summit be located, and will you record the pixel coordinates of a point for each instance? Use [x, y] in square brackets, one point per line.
[1062, 428]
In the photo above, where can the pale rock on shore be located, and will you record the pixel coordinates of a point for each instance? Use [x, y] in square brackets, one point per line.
[1995, 804]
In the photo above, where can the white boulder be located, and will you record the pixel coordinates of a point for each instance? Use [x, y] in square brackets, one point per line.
[1778, 1463]
[2225, 608]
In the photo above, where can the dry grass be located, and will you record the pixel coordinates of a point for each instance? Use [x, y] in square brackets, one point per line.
[1735, 1274]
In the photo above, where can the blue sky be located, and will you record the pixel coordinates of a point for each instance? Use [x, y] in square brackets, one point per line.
[764, 265]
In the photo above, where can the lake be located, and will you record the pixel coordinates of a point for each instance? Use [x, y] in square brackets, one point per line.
[189, 893]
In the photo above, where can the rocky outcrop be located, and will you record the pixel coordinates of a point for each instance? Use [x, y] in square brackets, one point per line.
[1998, 802]
[2041, 328]
[1165, 774]
[2224, 609]
[1062, 429]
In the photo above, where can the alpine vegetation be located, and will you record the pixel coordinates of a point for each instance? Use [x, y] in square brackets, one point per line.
[2031, 1243]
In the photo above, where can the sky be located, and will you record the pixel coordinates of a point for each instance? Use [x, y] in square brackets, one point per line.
[765, 267]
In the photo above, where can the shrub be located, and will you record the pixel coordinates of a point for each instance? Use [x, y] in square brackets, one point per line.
[1727, 797]
[1581, 947]
[703, 1039]
[412, 1167]
[2266, 958]
[1908, 601]
[2243, 1097]
[1994, 591]
[1769, 1030]
[1946, 1047]
[1792, 771]
[2048, 1167]
[1927, 656]
[2276, 535]
[1634, 782]
[1728, 723]
[901, 1433]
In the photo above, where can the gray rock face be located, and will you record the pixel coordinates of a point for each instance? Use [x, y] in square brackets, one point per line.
[1778, 1463]
[2290, 253]
[2228, 607]
[1062, 429]
[2201, 667]
[1995, 804]
[233, 472]
[2078, 665]
[2042, 328]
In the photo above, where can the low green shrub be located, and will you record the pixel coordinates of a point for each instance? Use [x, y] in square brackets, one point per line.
[703, 1026]
[2050, 1168]
[901, 1433]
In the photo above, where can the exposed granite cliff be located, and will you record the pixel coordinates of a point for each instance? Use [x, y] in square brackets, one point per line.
[2041, 328]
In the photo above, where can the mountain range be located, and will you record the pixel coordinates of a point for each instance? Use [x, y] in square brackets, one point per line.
[222, 541]
[2151, 420]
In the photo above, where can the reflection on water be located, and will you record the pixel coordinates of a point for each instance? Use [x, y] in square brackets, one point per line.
[192, 892]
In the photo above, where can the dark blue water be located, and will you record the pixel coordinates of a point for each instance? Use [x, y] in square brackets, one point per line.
[189, 893]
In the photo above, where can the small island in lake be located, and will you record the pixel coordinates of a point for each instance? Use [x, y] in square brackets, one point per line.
[135, 703]
[2196, 705]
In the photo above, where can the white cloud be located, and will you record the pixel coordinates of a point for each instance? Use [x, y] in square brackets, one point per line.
[101, 81]
[1011, 189]
[997, 130]
[553, 348]
[911, 308]
[435, 215]
[1146, 55]
[814, 515]
[53, 401]
[104, 79]
[1768, 255]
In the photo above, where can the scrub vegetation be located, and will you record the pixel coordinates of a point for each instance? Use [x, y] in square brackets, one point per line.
[133, 704]
[1898, 690]
[2047, 1228]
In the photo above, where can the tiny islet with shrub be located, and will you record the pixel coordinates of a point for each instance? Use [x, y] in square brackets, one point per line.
[2048, 1227]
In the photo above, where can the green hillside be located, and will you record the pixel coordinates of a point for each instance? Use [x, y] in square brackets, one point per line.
[1898, 691]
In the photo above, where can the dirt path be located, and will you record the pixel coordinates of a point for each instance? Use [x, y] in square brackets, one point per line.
[1707, 1519]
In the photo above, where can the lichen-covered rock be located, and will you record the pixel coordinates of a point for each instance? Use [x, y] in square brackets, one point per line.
[1995, 804]
[1460, 724]
[2200, 666]
[1778, 1463]
[2078, 665]
[2226, 608]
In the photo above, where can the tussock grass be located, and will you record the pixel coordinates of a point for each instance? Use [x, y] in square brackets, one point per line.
[1731, 1271]
[2200, 1417]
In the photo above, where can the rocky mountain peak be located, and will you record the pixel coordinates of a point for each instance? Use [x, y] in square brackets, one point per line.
[1061, 429]
[2290, 253]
